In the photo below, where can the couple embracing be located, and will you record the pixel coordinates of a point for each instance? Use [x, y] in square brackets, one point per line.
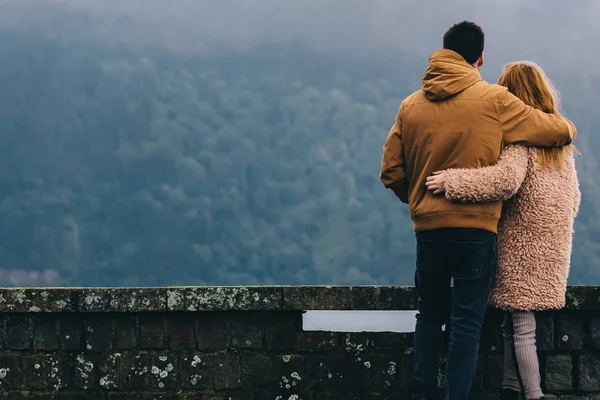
[488, 173]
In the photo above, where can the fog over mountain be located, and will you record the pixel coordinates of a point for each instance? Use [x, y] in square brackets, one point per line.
[147, 142]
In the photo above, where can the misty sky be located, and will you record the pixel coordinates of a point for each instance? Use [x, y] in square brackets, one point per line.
[550, 32]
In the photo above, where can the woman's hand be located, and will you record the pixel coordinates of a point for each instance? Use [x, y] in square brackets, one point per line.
[436, 183]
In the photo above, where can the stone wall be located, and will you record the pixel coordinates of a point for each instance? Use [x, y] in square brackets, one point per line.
[247, 343]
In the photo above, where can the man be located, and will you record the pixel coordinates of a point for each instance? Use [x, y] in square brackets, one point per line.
[456, 121]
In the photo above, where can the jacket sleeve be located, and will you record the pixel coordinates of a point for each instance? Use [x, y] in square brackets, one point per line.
[393, 172]
[488, 184]
[523, 124]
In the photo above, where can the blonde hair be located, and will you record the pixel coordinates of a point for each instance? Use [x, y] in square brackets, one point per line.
[527, 81]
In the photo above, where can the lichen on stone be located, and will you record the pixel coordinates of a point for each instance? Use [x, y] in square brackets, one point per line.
[20, 296]
[197, 360]
[92, 299]
[54, 374]
[392, 368]
[174, 300]
[107, 383]
[84, 369]
[195, 378]
[61, 304]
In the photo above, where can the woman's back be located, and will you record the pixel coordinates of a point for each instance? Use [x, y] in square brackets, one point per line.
[535, 230]
[535, 235]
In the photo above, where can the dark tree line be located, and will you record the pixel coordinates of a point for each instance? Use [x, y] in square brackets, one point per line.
[122, 167]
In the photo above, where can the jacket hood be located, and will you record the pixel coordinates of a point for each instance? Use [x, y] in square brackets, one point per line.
[448, 74]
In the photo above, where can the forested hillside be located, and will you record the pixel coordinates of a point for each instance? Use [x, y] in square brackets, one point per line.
[124, 165]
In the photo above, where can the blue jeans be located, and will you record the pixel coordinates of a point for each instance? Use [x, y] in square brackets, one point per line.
[468, 258]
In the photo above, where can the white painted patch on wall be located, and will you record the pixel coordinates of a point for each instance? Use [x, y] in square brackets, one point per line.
[359, 321]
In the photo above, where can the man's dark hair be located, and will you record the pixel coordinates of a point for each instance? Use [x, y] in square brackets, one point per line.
[465, 38]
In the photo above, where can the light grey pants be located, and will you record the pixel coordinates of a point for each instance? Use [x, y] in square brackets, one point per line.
[519, 340]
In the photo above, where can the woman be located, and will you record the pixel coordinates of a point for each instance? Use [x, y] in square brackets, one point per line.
[541, 194]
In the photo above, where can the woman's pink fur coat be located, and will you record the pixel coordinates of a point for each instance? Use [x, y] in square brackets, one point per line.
[535, 230]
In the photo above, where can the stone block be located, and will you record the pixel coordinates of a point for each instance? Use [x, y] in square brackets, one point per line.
[589, 373]
[583, 298]
[45, 332]
[224, 299]
[359, 371]
[17, 396]
[386, 371]
[317, 341]
[491, 333]
[558, 372]
[314, 367]
[163, 372]
[224, 396]
[257, 370]
[109, 371]
[358, 343]
[281, 330]
[594, 332]
[137, 300]
[99, 333]
[246, 331]
[289, 372]
[334, 370]
[329, 298]
[284, 395]
[330, 396]
[152, 331]
[396, 298]
[12, 372]
[85, 371]
[227, 371]
[45, 372]
[122, 300]
[571, 331]
[349, 298]
[127, 396]
[2, 330]
[392, 340]
[181, 332]
[64, 396]
[492, 373]
[213, 332]
[197, 372]
[36, 300]
[70, 332]
[385, 396]
[137, 372]
[93, 300]
[406, 369]
[544, 334]
[126, 332]
[18, 333]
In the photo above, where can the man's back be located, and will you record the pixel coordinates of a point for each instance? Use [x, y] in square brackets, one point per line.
[458, 121]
